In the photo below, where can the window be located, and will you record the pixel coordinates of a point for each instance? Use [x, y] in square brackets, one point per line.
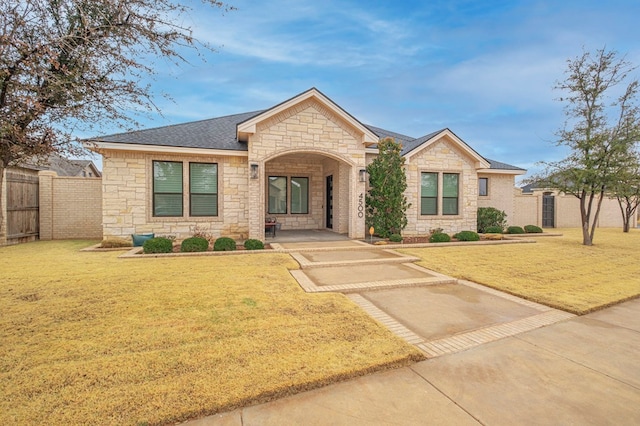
[299, 195]
[450, 193]
[203, 189]
[277, 195]
[483, 187]
[429, 194]
[167, 188]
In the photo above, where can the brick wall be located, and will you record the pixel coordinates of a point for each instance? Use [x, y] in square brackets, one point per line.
[70, 207]
[500, 194]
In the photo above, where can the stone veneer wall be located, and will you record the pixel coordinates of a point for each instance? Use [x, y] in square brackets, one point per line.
[127, 196]
[311, 170]
[500, 194]
[442, 157]
[310, 127]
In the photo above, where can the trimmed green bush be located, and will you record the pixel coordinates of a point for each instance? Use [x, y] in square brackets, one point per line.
[194, 244]
[252, 244]
[532, 229]
[490, 216]
[467, 236]
[224, 244]
[157, 245]
[493, 230]
[439, 237]
[515, 230]
[395, 238]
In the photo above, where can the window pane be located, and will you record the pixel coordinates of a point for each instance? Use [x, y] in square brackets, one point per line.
[167, 177]
[203, 186]
[450, 185]
[449, 206]
[167, 205]
[167, 188]
[483, 186]
[300, 195]
[277, 195]
[429, 185]
[204, 205]
[428, 205]
[204, 178]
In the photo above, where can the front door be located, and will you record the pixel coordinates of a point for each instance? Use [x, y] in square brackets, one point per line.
[548, 211]
[329, 202]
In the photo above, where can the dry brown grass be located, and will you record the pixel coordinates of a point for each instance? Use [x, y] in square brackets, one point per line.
[88, 338]
[556, 271]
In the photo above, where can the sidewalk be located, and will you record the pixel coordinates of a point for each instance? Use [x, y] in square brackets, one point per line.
[580, 371]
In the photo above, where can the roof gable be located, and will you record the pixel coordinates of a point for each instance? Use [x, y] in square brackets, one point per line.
[249, 126]
[419, 144]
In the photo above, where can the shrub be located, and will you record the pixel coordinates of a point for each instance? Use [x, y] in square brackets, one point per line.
[395, 238]
[490, 216]
[224, 244]
[252, 244]
[493, 230]
[115, 242]
[532, 229]
[515, 230]
[157, 245]
[202, 232]
[467, 236]
[439, 237]
[194, 244]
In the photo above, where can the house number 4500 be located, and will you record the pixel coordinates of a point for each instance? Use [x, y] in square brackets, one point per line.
[361, 205]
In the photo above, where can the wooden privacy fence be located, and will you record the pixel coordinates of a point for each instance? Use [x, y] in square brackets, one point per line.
[22, 206]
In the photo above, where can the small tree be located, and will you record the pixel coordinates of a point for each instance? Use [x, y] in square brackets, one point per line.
[386, 203]
[598, 132]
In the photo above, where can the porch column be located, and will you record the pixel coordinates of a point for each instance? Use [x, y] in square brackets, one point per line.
[357, 205]
[256, 202]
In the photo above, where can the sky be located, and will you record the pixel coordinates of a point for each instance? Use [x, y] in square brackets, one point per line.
[484, 69]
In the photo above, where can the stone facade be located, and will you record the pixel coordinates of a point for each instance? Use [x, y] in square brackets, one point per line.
[309, 137]
[442, 157]
[128, 198]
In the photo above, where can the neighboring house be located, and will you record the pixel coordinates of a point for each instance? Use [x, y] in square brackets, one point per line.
[302, 161]
[65, 166]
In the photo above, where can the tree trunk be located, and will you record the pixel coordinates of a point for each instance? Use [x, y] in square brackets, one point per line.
[584, 217]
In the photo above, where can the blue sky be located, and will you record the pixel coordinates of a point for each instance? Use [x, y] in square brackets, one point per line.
[484, 69]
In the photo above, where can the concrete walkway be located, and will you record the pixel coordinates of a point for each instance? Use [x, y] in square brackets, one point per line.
[493, 358]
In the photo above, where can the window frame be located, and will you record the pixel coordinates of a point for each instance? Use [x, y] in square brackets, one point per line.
[437, 178]
[306, 206]
[191, 193]
[286, 194]
[155, 193]
[457, 196]
[486, 187]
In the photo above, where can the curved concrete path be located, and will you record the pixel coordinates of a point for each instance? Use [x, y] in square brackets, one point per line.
[494, 359]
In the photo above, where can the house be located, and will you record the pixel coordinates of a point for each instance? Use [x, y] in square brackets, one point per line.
[302, 161]
[65, 166]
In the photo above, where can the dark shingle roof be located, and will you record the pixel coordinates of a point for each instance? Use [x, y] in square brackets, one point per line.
[215, 133]
[502, 166]
[220, 133]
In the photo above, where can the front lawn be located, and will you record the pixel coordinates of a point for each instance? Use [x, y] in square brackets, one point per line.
[87, 338]
[556, 271]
